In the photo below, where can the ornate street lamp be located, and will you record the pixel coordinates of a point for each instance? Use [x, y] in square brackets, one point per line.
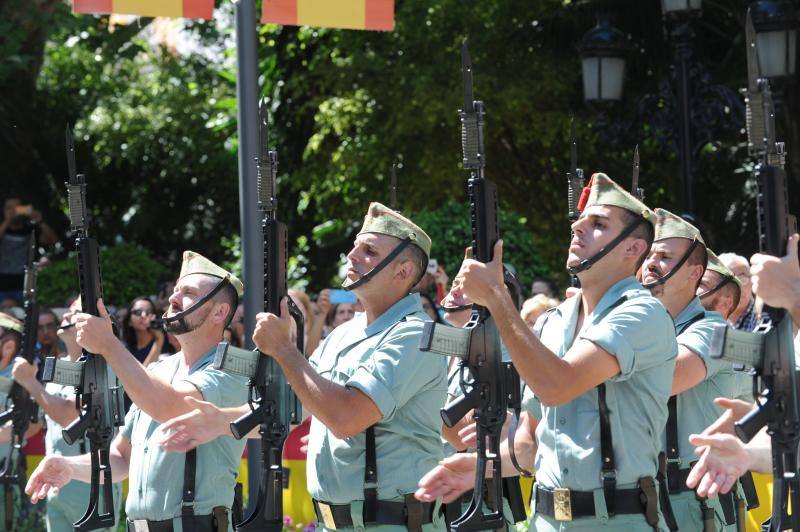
[603, 51]
[776, 23]
[681, 7]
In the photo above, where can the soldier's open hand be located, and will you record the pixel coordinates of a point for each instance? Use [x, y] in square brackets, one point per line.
[449, 480]
[95, 333]
[185, 432]
[723, 459]
[273, 334]
[481, 282]
[52, 473]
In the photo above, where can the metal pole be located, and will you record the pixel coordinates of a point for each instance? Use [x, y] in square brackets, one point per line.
[252, 238]
[682, 37]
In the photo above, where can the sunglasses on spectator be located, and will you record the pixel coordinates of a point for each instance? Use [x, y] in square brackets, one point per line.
[142, 312]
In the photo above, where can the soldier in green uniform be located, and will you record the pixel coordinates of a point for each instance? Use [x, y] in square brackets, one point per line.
[374, 396]
[672, 272]
[719, 288]
[57, 404]
[167, 491]
[600, 376]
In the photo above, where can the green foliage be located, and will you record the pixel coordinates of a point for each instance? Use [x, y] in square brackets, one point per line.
[128, 272]
[450, 230]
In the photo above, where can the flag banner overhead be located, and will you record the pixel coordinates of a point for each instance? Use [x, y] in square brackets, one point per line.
[346, 14]
[201, 9]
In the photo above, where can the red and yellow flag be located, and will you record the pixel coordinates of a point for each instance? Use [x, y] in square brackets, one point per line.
[349, 14]
[203, 9]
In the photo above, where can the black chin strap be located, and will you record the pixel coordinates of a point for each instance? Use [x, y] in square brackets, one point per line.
[725, 280]
[674, 270]
[180, 316]
[384, 263]
[585, 264]
[459, 308]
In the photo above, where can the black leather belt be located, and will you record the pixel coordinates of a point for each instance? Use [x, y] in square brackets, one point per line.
[200, 523]
[336, 516]
[564, 505]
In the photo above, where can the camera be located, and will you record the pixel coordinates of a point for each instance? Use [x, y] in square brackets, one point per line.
[157, 323]
[433, 265]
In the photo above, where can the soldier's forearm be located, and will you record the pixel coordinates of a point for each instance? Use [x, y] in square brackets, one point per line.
[60, 410]
[545, 373]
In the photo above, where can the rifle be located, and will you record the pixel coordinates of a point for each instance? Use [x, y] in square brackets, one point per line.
[493, 385]
[575, 184]
[273, 404]
[21, 409]
[99, 402]
[636, 190]
[769, 350]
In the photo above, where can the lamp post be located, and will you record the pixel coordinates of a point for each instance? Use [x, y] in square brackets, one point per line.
[678, 15]
[603, 50]
[776, 23]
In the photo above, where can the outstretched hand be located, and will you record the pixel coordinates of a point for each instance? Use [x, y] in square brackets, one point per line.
[723, 459]
[187, 431]
[52, 474]
[449, 480]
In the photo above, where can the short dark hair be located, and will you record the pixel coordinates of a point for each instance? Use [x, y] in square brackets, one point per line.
[644, 230]
[16, 336]
[228, 295]
[418, 258]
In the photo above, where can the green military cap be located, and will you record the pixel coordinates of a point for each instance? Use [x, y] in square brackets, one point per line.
[196, 263]
[384, 221]
[670, 225]
[602, 190]
[716, 265]
[10, 323]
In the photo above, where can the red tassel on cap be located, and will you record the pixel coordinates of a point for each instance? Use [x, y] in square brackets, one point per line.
[585, 194]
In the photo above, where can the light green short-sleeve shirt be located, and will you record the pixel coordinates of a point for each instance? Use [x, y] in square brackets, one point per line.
[632, 325]
[695, 406]
[156, 477]
[408, 386]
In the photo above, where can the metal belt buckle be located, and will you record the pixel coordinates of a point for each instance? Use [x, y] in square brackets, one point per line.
[140, 525]
[327, 515]
[562, 504]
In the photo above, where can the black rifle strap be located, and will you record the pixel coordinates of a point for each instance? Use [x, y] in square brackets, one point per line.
[609, 468]
[585, 264]
[512, 431]
[725, 280]
[664, 278]
[370, 478]
[384, 263]
[187, 500]
[673, 449]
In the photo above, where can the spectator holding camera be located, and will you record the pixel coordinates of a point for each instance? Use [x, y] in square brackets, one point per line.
[143, 338]
[15, 229]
